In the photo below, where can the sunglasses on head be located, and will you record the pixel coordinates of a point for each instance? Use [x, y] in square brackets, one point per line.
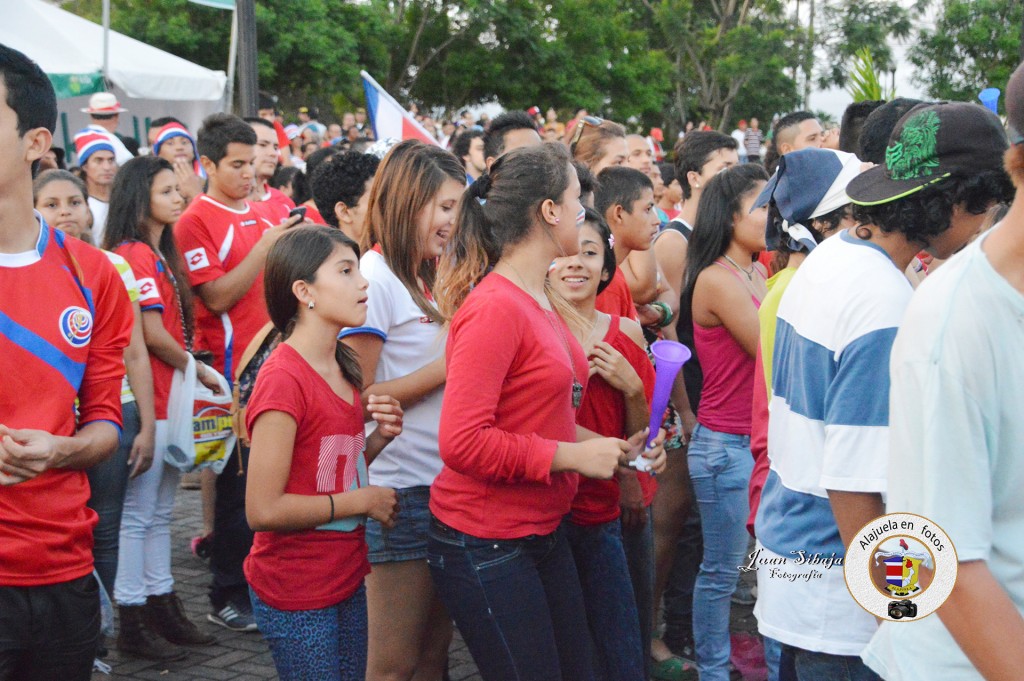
[593, 121]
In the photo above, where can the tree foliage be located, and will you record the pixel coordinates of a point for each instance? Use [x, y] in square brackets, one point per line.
[719, 48]
[851, 25]
[975, 45]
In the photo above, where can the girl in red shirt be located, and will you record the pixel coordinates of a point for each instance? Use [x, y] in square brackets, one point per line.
[507, 436]
[307, 491]
[144, 206]
[616, 404]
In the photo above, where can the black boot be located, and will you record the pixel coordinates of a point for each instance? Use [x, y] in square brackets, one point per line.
[133, 638]
[166, 616]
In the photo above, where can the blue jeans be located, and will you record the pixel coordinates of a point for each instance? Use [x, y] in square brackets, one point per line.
[720, 467]
[107, 483]
[639, 547]
[517, 602]
[407, 540]
[608, 596]
[328, 644]
[805, 665]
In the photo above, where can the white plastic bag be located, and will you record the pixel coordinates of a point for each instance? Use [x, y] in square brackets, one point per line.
[199, 432]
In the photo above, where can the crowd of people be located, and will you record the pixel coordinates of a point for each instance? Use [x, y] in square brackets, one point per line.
[442, 379]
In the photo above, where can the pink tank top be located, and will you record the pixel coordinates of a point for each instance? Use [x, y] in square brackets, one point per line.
[728, 393]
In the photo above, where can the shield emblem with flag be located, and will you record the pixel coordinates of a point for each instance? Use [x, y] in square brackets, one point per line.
[902, 568]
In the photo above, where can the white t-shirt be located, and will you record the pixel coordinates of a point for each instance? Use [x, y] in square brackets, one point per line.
[957, 432]
[738, 135]
[411, 341]
[827, 430]
[99, 219]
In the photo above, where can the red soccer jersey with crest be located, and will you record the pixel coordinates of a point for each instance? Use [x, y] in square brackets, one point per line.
[275, 205]
[310, 569]
[156, 294]
[65, 320]
[213, 240]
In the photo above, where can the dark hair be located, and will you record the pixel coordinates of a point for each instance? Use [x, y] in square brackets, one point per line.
[460, 147]
[283, 175]
[588, 182]
[341, 179]
[792, 120]
[619, 186]
[713, 228]
[126, 221]
[818, 227]
[926, 214]
[878, 126]
[29, 92]
[494, 138]
[596, 220]
[164, 120]
[46, 177]
[296, 257]
[694, 151]
[668, 172]
[853, 122]
[517, 183]
[218, 131]
[256, 120]
[302, 187]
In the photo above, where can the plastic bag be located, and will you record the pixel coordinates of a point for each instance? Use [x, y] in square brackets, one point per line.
[199, 432]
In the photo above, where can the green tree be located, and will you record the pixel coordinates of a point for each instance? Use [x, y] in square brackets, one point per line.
[975, 45]
[851, 25]
[720, 47]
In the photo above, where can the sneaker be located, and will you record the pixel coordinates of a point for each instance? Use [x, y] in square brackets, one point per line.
[745, 594]
[233, 618]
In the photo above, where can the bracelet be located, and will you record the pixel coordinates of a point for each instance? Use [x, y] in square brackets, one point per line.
[330, 498]
[666, 313]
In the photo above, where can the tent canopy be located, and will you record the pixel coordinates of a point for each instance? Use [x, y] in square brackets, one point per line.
[70, 50]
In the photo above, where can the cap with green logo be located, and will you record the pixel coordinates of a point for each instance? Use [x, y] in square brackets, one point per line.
[930, 143]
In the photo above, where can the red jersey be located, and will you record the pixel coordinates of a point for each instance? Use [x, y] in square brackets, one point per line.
[604, 412]
[310, 569]
[313, 214]
[275, 205]
[214, 239]
[617, 301]
[65, 320]
[507, 405]
[156, 294]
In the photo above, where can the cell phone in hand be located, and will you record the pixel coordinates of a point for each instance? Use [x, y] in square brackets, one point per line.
[300, 211]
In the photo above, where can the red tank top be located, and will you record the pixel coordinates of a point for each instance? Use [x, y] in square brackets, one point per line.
[727, 396]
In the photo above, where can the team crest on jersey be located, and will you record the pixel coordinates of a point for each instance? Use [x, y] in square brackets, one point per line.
[76, 326]
[147, 288]
[196, 259]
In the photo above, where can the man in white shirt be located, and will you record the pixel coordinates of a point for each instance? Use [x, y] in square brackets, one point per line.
[104, 115]
[95, 152]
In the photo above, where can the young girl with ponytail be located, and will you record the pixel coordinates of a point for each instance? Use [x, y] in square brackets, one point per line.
[511, 449]
[307, 490]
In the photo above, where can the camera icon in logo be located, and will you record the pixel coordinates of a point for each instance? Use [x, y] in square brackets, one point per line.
[900, 609]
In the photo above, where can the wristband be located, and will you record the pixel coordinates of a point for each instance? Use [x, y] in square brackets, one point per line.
[666, 313]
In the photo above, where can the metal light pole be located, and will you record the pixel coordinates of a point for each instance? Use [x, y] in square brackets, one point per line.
[247, 78]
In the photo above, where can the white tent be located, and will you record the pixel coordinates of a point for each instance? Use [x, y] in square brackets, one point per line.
[149, 82]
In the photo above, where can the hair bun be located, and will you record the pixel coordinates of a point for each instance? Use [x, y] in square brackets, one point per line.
[481, 186]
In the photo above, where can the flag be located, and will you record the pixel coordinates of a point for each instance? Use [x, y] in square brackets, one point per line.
[387, 116]
[216, 4]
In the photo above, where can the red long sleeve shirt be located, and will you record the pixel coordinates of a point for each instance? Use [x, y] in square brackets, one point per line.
[507, 405]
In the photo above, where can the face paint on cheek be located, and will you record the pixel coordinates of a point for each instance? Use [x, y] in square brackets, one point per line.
[553, 265]
[581, 217]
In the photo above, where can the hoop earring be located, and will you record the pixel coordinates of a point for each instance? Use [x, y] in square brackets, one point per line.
[310, 306]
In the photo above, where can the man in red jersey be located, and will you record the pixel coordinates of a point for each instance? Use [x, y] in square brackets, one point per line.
[65, 320]
[275, 204]
[224, 240]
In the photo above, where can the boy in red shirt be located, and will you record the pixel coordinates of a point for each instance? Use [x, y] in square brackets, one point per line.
[224, 240]
[275, 204]
[65, 320]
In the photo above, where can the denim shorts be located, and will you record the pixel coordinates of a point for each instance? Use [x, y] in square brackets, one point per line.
[407, 540]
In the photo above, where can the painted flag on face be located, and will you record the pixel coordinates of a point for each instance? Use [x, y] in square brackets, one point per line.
[387, 116]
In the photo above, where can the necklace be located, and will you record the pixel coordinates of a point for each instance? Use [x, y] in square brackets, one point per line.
[577, 387]
[749, 273]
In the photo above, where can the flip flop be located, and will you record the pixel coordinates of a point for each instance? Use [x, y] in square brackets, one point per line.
[674, 668]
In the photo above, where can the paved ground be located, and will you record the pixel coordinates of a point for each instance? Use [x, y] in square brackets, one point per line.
[237, 655]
